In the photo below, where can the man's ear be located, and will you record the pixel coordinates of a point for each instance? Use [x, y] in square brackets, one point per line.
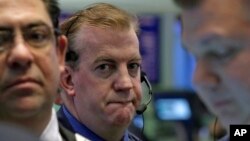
[62, 45]
[66, 81]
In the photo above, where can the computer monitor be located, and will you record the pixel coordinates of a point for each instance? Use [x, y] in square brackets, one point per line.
[173, 106]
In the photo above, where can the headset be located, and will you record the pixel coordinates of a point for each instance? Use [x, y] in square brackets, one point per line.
[143, 106]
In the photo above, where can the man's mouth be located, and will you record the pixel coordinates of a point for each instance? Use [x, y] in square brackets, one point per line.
[23, 83]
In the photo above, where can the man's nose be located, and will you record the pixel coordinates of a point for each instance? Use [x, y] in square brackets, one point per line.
[19, 55]
[205, 76]
[123, 81]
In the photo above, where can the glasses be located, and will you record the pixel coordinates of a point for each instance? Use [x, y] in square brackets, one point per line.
[36, 36]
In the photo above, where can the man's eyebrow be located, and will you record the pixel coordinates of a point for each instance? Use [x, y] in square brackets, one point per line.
[107, 59]
[29, 25]
[6, 28]
[136, 59]
[37, 23]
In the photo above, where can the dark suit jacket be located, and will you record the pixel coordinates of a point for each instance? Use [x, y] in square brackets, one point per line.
[66, 134]
[64, 121]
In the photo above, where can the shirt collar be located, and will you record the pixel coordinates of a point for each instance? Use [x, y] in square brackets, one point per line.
[225, 138]
[80, 128]
[51, 132]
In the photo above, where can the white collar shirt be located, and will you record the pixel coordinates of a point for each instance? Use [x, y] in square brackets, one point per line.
[51, 132]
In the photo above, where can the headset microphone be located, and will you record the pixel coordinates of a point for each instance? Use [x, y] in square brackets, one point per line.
[143, 107]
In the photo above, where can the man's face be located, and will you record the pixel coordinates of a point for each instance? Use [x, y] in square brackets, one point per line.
[217, 34]
[107, 84]
[29, 59]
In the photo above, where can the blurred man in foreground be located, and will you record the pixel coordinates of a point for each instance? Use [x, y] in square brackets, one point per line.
[217, 33]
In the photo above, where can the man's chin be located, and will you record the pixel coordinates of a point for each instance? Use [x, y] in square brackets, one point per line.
[22, 109]
[123, 117]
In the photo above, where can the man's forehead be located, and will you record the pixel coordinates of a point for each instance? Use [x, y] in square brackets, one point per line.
[23, 12]
[215, 12]
[21, 3]
[217, 7]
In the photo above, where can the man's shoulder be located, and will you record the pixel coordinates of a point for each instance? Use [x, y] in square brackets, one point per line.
[62, 119]
[225, 138]
[133, 137]
[67, 135]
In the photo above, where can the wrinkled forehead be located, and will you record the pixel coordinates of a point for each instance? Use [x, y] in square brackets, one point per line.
[214, 11]
[19, 12]
[215, 16]
[98, 35]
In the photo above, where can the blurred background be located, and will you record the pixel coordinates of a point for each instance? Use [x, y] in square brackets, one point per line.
[175, 112]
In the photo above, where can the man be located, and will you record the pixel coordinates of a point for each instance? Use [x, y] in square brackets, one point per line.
[217, 33]
[31, 58]
[101, 82]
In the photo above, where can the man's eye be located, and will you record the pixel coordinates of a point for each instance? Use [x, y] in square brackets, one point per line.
[222, 56]
[219, 55]
[104, 67]
[38, 36]
[104, 70]
[5, 38]
[133, 68]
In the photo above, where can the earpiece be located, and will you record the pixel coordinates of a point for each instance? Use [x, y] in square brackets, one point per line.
[71, 56]
[143, 106]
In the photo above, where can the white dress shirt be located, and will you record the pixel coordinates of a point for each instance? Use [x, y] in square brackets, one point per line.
[51, 132]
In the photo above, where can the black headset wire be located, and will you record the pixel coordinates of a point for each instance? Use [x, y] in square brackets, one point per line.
[214, 132]
[72, 23]
[143, 126]
[149, 100]
[149, 87]
[71, 55]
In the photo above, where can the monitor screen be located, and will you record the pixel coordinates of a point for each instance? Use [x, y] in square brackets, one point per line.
[172, 107]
